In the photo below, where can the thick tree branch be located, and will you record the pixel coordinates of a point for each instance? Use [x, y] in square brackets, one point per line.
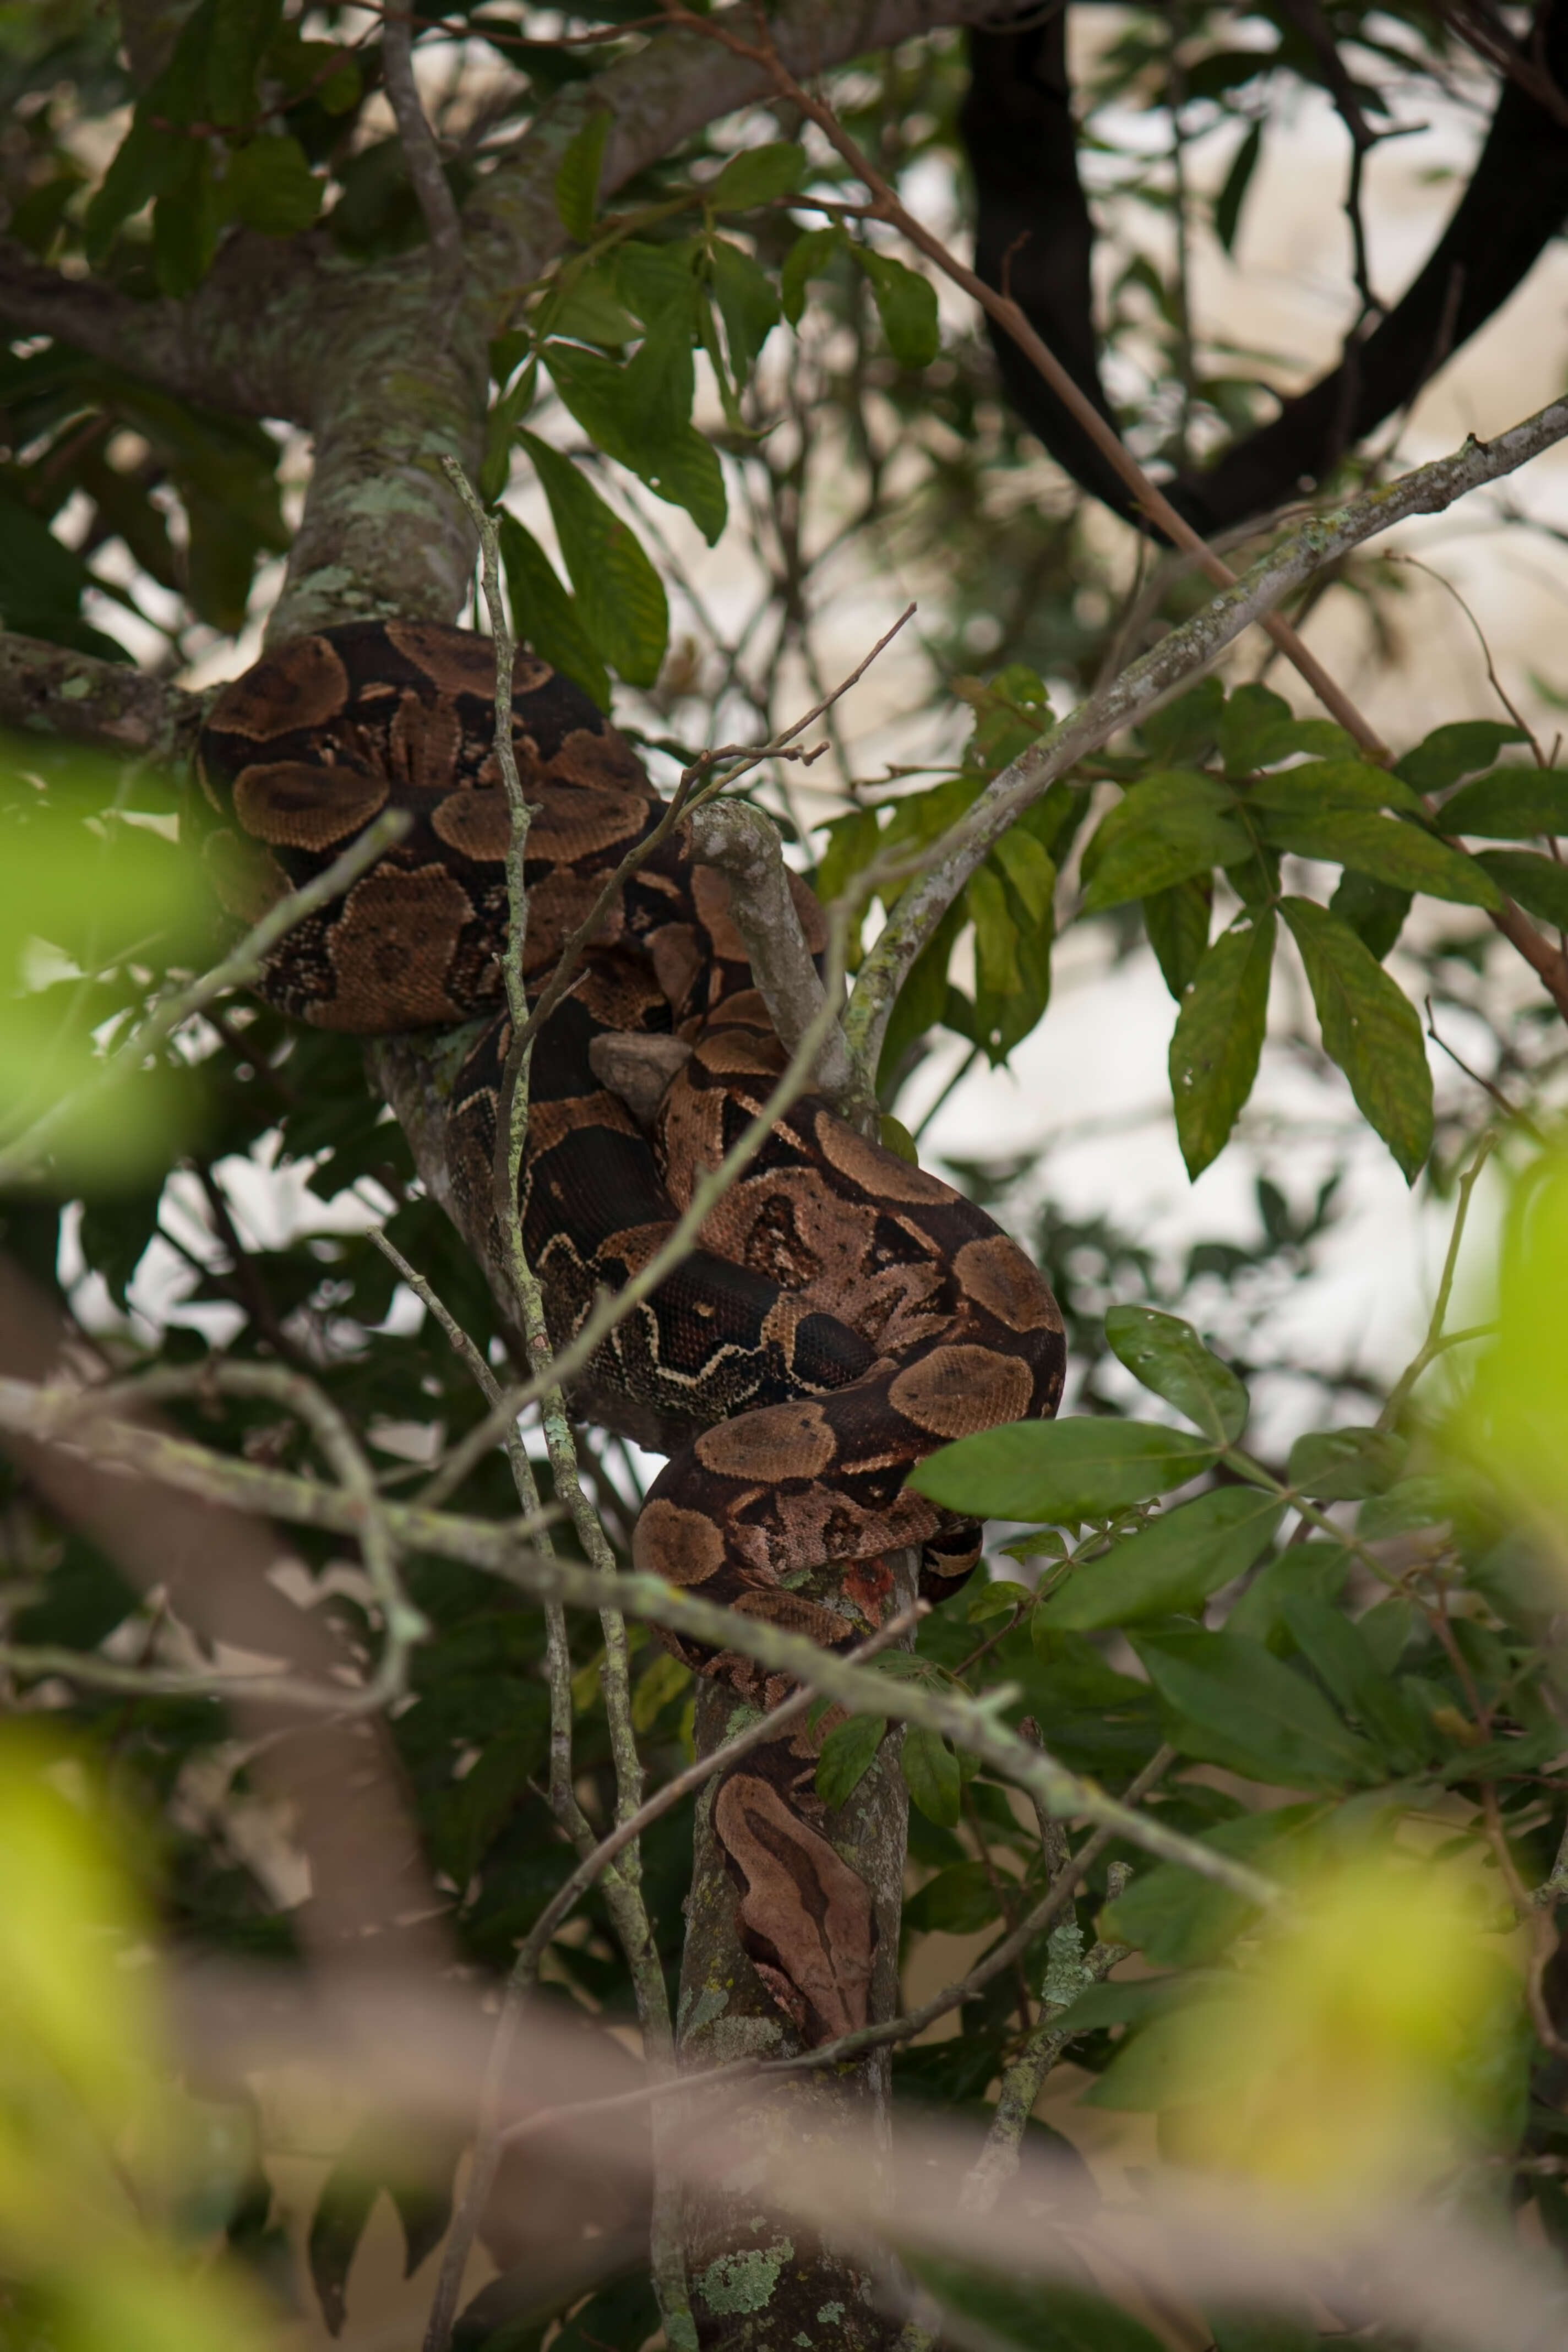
[743, 843]
[245, 341]
[49, 691]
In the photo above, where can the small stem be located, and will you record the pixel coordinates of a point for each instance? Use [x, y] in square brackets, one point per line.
[1434, 1344]
[423, 157]
[1024, 2076]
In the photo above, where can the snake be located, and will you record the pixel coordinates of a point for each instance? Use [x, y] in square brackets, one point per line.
[844, 1314]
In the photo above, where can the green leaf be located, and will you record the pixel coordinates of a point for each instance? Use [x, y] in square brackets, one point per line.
[757, 175]
[1540, 884]
[1370, 1029]
[1409, 1503]
[1375, 911]
[807, 258]
[1237, 179]
[586, 307]
[271, 186]
[931, 1774]
[1455, 750]
[1234, 1704]
[685, 470]
[1177, 922]
[1343, 1465]
[577, 179]
[1031, 873]
[620, 598]
[640, 414]
[666, 1678]
[1387, 849]
[959, 1901]
[241, 30]
[1152, 2070]
[1336, 1652]
[1321, 737]
[1187, 728]
[544, 614]
[472, 1813]
[847, 1756]
[185, 222]
[747, 304]
[1218, 1038]
[1122, 2001]
[1320, 785]
[1166, 828]
[995, 934]
[660, 379]
[593, 389]
[1510, 804]
[1253, 713]
[653, 279]
[1059, 1472]
[1317, 1568]
[1179, 1920]
[152, 158]
[1034, 2316]
[1171, 1566]
[906, 303]
[1168, 1357]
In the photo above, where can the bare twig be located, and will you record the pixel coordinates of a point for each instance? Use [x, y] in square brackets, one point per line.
[423, 157]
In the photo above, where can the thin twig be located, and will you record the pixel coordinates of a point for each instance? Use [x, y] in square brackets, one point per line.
[423, 157]
[1487, 1086]
[1433, 1345]
[86, 1419]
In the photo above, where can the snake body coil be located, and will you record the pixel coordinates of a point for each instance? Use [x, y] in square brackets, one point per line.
[846, 1314]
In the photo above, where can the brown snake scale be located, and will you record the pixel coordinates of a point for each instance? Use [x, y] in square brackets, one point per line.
[846, 1314]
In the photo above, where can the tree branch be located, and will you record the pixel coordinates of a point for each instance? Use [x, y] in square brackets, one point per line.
[744, 845]
[423, 156]
[49, 691]
[88, 1422]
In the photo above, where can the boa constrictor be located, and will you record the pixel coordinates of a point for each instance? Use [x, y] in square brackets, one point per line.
[846, 1314]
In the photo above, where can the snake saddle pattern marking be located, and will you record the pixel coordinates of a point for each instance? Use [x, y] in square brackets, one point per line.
[845, 1313]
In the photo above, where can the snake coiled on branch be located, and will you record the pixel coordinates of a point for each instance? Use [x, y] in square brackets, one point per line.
[845, 1313]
